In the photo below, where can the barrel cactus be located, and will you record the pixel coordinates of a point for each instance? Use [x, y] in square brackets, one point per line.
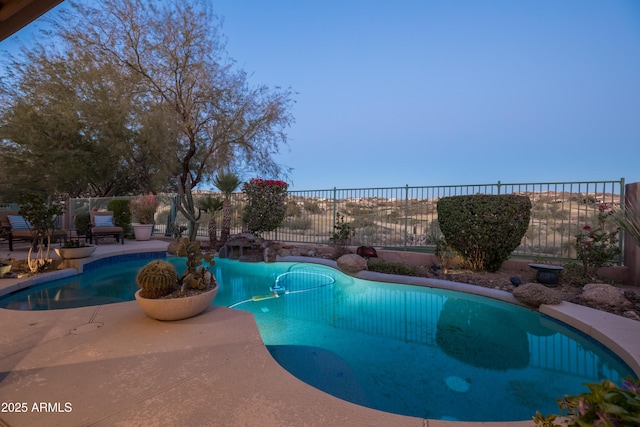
[157, 279]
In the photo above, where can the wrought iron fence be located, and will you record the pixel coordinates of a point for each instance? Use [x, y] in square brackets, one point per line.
[406, 218]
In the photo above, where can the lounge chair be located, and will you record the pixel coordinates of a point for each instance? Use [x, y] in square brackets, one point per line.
[15, 227]
[103, 224]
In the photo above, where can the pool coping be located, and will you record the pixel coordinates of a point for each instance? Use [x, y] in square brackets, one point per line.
[232, 364]
[74, 267]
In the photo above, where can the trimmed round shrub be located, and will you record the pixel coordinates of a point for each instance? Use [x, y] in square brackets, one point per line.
[484, 229]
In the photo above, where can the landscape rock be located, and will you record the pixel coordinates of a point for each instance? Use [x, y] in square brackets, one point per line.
[351, 263]
[270, 251]
[244, 246]
[599, 294]
[630, 314]
[536, 294]
[367, 252]
[284, 252]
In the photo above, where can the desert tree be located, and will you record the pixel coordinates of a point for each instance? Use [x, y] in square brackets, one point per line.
[175, 55]
[69, 124]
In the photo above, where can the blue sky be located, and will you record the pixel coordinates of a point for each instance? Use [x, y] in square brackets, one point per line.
[423, 92]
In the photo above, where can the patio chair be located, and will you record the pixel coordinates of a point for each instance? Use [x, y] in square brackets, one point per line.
[14, 227]
[103, 224]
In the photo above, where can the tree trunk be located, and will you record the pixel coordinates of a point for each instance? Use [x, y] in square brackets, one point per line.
[187, 207]
[213, 233]
[226, 221]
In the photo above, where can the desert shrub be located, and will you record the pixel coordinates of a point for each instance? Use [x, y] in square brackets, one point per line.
[312, 206]
[563, 229]
[121, 214]
[394, 216]
[364, 220]
[366, 234]
[559, 212]
[381, 266]
[484, 229]
[417, 207]
[342, 234]
[433, 230]
[444, 252]
[293, 209]
[297, 223]
[357, 210]
[574, 274]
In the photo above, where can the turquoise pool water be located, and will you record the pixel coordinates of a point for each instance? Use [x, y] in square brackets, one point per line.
[398, 348]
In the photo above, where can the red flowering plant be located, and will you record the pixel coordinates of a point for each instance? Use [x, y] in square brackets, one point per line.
[597, 246]
[266, 204]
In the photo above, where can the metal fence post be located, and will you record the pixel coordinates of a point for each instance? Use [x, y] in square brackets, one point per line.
[335, 207]
[622, 205]
[171, 218]
[406, 215]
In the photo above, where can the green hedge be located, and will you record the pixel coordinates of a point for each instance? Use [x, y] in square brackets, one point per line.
[82, 223]
[484, 229]
[121, 214]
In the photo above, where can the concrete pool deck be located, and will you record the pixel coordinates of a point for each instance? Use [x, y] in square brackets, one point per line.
[110, 365]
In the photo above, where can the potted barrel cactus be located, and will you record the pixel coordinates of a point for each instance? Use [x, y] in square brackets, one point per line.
[164, 295]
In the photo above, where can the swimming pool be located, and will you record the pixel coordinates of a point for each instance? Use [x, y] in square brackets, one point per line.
[404, 349]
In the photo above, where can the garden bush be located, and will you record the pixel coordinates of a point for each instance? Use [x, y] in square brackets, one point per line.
[312, 206]
[297, 223]
[484, 229]
[293, 209]
[83, 221]
[266, 205]
[387, 267]
[121, 214]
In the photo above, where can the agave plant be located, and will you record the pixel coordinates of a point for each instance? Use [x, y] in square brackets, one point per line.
[629, 218]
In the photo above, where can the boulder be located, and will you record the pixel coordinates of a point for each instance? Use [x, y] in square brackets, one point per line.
[243, 246]
[601, 294]
[367, 252]
[351, 263]
[284, 252]
[535, 294]
[270, 251]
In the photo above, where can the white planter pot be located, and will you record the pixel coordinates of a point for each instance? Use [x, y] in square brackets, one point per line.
[177, 308]
[4, 269]
[142, 231]
[75, 253]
